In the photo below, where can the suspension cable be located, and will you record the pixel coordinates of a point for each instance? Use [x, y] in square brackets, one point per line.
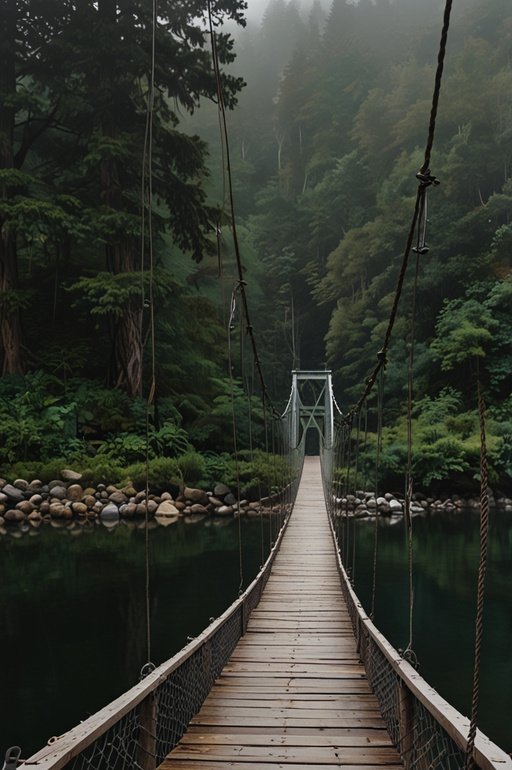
[425, 180]
[236, 246]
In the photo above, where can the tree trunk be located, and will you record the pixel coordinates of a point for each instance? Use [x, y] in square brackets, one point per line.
[10, 326]
[126, 330]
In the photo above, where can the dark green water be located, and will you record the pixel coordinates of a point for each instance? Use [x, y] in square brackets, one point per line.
[72, 608]
[446, 552]
[72, 613]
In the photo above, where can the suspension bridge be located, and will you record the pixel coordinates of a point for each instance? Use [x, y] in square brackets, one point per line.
[294, 674]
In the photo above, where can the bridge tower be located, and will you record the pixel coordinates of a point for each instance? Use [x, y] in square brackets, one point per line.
[311, 404]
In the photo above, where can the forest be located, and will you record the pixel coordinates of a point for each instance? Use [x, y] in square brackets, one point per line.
[109, 242]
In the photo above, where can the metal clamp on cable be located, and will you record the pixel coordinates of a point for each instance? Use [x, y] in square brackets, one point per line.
[426, 179]
[146, 669]
[12, 756]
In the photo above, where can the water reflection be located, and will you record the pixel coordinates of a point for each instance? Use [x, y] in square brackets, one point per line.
[446, 553]
[72, 609]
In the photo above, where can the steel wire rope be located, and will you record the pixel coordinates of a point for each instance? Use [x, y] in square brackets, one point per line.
[241, 282]
[230, 329]
[148, 303]
[420, 249]
[425, 180]
[378, 449]
[482, 570]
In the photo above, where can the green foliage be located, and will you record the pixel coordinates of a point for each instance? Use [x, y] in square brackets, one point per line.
[192, 467]
[161, 471]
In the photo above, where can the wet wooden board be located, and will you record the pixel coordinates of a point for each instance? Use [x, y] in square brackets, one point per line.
[293, 694]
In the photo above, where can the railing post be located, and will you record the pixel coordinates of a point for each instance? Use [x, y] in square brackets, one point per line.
[146, 753]
[406, 724]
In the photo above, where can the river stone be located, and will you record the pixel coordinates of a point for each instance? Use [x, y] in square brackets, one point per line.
[97, 507]
[109, 513]
[166, 496]
[79, 508]
[14, 515]
[215, 501]
[220, 490]
[35, 516]
[3, 498]
[89, 500]
[20, 484]
[57, 510]
[395, 506]
[58, 492]
[13, 494]
[224, 510]
[117, 497]
[75, 492]
[68, 475]
[130, 509]
[36, 500]
[198, 508]
[195, 495]
[180, 505]
[167, 508]
[25, 507]
[229, 499]
[129, 491]
[381, 501]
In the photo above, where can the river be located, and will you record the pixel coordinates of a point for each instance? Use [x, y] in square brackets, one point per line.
[72, 608]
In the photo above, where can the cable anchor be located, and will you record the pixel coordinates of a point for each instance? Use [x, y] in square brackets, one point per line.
[146, 670]
[12, 756]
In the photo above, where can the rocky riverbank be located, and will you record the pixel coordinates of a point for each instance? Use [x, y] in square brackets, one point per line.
[67, 498]
[363, 504]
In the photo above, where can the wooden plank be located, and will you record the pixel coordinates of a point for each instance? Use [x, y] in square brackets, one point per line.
[294, 693]
[251, 739]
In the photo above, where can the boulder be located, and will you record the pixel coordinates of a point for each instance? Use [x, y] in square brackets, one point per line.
[180, 505]
[36, 500]
[109, 513]
[164, 520]
[215, 502]
[34, 516]
[75, 492]
[59, 492]
[21, 484]
[197, 508]
[14, 515]
[166, 496]
[129, 509]
[57, 510]
[224, 510]
[35, 484]
[167, 508]
[13, 494]
[229, 499]
[25, 507]
[68, 475]
[195, 495]
[117, 497]
[395, 506]
[220, 490]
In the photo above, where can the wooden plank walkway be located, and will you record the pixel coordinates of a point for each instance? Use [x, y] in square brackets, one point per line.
[293, 694]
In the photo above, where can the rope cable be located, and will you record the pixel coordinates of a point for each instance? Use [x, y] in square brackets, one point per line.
[236, 246]
[482, 569]
[425, 180]
[148, 156]
[380, 397]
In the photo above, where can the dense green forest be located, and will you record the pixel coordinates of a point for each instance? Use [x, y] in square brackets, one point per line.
[329, 116]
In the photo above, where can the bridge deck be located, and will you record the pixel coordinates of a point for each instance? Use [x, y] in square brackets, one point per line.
[293, 694]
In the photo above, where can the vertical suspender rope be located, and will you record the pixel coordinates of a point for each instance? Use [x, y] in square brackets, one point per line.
[482, 569]
[380, 396]
[148, 153]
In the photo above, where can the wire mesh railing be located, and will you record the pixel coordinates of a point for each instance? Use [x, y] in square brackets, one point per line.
[137, 730]
[429, 733]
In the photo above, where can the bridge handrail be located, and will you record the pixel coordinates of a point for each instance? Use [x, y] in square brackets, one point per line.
[68, 747]
[487, 754]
